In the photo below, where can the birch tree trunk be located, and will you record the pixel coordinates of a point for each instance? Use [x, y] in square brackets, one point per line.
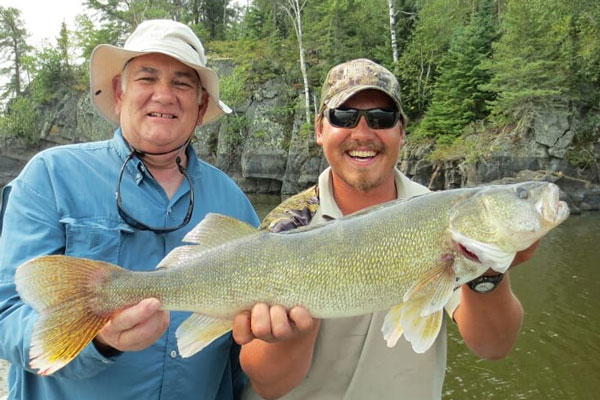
[293, 8]
[393, 30]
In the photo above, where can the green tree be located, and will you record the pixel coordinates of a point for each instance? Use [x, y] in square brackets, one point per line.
[529, 71]
[436, 23]
[64, 45]
[458, 97]
[127, 14]
[13, 48]
[88, 35]
[21, 121]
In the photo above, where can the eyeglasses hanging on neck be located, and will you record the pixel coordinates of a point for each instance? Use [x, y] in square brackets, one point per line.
[136, 224]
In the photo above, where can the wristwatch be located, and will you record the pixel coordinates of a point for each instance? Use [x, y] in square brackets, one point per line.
[485, 284]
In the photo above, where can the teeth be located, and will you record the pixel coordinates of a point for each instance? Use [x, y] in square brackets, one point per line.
[161, 115]
[362, 153]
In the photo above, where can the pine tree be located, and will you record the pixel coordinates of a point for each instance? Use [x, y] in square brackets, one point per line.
[13, 48]
[458, 97]
[527, 69]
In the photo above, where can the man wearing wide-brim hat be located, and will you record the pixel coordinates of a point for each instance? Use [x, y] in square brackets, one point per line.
[128, 201]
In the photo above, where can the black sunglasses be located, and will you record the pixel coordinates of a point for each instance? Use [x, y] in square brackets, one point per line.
[134, 223]
[377, 118]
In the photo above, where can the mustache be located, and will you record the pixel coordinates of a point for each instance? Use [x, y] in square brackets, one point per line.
[355, 144]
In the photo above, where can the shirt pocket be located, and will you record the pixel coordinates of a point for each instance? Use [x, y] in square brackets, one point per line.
[95, 239]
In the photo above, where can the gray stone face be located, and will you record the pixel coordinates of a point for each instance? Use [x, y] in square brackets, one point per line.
[263, 146]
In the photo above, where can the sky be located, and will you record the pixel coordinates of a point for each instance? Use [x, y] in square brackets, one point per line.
[43, 18]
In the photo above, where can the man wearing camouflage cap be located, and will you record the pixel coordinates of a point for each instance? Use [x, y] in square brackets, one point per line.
[347, 358]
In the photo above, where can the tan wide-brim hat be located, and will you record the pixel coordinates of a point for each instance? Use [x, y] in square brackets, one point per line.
[171, 38]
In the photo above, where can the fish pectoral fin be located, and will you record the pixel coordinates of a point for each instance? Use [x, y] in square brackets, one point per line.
[198, 331]
[420, 331]
[405, 318]
[392, 328]
[213, 231]
[489, 254]
[419, 317]
[435, 288]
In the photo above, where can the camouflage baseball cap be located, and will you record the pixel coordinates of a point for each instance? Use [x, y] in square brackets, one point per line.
[346, 79]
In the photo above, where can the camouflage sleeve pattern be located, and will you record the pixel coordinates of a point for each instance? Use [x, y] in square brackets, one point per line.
[294, 212]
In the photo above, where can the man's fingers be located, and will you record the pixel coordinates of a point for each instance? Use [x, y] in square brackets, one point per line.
[260, 321]
[134, 315]
[301, 319]
[136, 327]
[242, 333]
[146, 332]
[280, 324]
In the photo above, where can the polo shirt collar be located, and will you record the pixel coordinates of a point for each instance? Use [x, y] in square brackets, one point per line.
[136, 167]
[328, 207]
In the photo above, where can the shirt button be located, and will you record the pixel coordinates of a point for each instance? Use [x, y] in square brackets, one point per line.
[138, 176]
[173, 354]
[169, 210]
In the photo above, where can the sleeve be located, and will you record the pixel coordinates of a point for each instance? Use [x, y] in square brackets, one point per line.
[293, 213]
[30, 228]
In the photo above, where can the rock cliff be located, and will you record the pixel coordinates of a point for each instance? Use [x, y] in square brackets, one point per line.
[265, 147]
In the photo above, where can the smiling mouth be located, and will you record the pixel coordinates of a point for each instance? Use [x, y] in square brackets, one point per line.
[362, 154]
[161, 115]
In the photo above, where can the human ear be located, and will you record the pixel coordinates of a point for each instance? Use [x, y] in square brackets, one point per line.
[117, 93]
[202, 107]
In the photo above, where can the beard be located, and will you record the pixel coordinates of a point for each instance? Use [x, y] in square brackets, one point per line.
[364, 182]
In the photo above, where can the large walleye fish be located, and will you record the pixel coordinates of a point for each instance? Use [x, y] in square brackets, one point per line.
[405, 255]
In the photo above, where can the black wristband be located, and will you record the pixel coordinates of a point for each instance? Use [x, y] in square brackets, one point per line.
[485, 284]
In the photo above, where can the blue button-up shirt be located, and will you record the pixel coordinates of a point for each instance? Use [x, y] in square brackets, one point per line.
[63, 202]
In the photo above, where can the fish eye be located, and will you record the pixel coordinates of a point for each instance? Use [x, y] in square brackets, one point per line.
[522, 193]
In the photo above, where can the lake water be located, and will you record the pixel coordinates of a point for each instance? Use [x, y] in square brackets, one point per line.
[557, 355]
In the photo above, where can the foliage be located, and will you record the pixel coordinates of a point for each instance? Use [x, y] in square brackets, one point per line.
[53, 76]
[458, 98]
[463, 63]
[21, 121]
[537, 63]
[88, 35]
[235, 128]
[233, 89]
[436, 23]
[13, 48]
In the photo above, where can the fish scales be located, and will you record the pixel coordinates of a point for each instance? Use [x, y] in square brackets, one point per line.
[329, 271]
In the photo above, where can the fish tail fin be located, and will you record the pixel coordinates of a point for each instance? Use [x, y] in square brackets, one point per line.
[63, 291]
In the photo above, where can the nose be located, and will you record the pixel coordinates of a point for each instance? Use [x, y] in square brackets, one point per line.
[362, 131]
[163, 93]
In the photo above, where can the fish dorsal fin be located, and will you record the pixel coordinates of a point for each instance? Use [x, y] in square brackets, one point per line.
[489, 254]
[216, 229]
[213, 231]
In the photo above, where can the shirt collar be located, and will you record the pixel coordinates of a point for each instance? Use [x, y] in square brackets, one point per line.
[136, 167]
[328, 207]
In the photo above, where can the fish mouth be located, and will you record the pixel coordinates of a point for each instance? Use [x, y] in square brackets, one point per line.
[550, 207]
[467, 253]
